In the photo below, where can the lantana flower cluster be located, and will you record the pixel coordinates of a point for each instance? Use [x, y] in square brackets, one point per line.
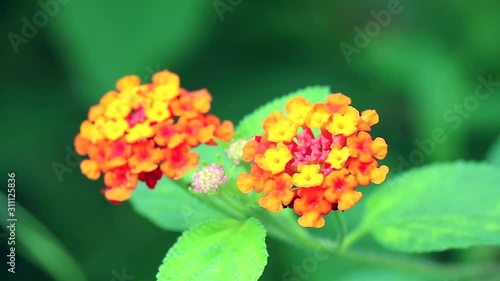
[143, 131]
[313, 158]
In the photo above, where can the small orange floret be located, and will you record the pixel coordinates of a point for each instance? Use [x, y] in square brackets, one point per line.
[169, 135]
[277, 193]
[201, 101]
[308, 176]
[338, 156]
[166, 77]
[365, 149]
[337, 102]
[318, 116]
[343, 124]
[312, 205]
[298, 110]
[177, 161]
[82, 145]
[367, 172]
[249, 150]
[117, 153]
[117, 194]
[95, 112]
[121, 178]
[348, 199]
[108, 98]
[191, 104]
[195, 130]
[145, 157]
[279, 128]
[245, 182]
[92, 131]
[225, 131]
[90, 169]
[157, 111]
[117, 109]
[368, 119]
[256, 180]
[254, 147]
[139, 132]
[274, 159]
[113, 130]
[128, 82]
[167, 85]
[338, 183]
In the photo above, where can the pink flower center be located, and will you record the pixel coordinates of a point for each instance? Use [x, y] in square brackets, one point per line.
[309, 149]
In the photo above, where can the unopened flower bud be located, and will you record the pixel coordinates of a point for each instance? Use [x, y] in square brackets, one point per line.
[208, 179]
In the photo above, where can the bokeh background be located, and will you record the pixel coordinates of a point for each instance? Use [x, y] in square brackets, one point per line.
[417, 69]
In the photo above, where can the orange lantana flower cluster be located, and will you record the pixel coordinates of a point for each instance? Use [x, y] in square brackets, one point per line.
[313, 158]
[141, 132]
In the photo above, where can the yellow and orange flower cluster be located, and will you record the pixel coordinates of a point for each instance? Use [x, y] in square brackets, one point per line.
[141, 132]
[313, 158]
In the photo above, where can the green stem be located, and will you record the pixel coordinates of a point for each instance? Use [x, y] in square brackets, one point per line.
[288, 231]
[223, 208]
[339, 218]
[354, 236]
[214, 203]
[231, 204]
[280, 227]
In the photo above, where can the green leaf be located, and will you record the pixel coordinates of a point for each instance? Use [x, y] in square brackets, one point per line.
[217, 250]
[38, 245]
[493, 155]
[251, 124]
[170, 207]
[437, 207]
[217, 155]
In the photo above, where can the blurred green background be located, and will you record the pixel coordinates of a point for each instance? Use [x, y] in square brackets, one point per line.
[420, 70]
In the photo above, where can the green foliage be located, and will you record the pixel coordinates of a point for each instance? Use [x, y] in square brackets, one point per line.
[405, 61]
[38, 245]
[426, 60]
[170, 207]
[217, 250]
[210, 154]
[378, 274]
[138, 44]
[437, 207]
[251, 124]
